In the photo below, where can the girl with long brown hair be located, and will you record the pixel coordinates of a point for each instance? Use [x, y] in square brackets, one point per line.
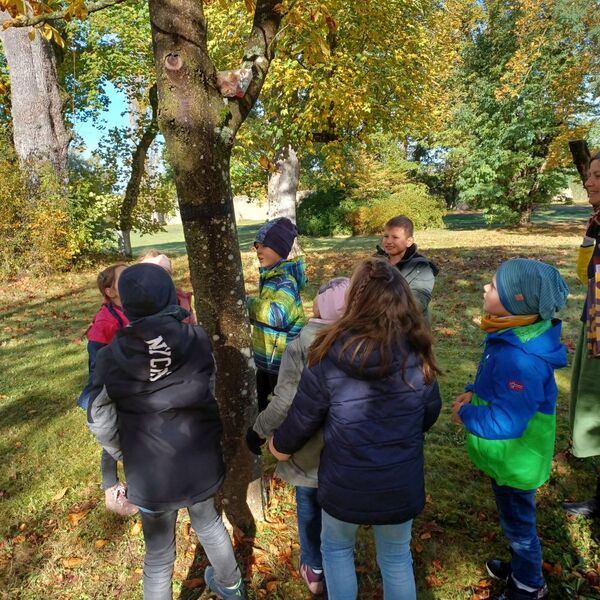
[370, 385]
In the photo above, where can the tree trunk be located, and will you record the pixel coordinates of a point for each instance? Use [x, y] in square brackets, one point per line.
[124, 243]
[581, 158]
[138, 164]
[199, 127]
[283, 185]
[283, 188]
[525, 215]
[40, 136]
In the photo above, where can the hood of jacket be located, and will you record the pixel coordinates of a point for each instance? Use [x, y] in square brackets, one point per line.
[542, 339]
[153, 347]
[372, 368]
[293, 267]
[412, 257]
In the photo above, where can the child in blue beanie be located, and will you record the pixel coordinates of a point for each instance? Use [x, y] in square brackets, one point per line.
[276, 313]
[509, 411]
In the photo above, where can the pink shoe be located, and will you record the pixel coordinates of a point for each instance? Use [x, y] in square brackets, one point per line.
[115, 498]
[313, 580]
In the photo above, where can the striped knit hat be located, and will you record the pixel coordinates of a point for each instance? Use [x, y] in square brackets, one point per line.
[529, 287]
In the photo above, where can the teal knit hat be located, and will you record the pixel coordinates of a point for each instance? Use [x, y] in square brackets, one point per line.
[529, 287]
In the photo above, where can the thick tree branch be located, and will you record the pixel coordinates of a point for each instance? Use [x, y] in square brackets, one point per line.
[257, 56]
[138, 163]
[58, 15]
[581, 158]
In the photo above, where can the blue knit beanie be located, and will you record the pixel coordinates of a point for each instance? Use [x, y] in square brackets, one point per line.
[145, 289]
[529, 287]
[278, 234]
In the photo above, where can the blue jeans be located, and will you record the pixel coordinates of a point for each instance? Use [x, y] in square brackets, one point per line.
[516, 509]
[308, 511]
[159, 537]
[393, 557]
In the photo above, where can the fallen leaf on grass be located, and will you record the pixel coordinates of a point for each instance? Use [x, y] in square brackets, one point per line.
[18, 539]
[60, 494]
[550, 568]
[272, 586]
[71, 563]
[75, 517]
[426, 535]
[418, 548]
[433, 581]
[190, 584]
[136, 528]
[437, 565]
[99, 544]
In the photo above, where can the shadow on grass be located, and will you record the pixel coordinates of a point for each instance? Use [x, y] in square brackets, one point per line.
[551, 214]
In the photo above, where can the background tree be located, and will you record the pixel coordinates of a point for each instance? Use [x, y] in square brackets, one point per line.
[524, 88]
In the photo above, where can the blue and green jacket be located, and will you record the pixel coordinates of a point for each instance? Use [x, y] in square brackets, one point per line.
[276, 313]
[511, 420]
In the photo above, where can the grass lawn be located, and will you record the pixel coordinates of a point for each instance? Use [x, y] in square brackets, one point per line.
[58, 542]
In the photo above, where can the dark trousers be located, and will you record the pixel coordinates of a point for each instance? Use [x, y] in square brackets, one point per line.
[108, 468]
[265, 384]
[159, 537]
[516, 509]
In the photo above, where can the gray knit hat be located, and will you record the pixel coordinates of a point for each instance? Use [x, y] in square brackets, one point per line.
[529, 287]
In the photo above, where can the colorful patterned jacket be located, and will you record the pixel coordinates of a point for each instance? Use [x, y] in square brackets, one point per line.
[276, 313]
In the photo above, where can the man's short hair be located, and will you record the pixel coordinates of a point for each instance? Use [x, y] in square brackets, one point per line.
[402, 222]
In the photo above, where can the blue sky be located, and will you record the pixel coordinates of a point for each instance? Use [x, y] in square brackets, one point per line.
[114, 116]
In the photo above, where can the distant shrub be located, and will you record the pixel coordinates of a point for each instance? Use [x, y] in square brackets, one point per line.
[323, 213]
[500, 214]
[413, 201]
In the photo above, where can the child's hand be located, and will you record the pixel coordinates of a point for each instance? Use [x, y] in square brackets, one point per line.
[278, 455]
[458, 403]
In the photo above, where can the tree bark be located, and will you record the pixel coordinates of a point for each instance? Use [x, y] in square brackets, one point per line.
[199, 127]
[282, 189]
[283, 184]
[40, 136]
[138, 164]
[581, 158]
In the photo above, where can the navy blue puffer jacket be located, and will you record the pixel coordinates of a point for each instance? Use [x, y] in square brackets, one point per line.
[371, 469]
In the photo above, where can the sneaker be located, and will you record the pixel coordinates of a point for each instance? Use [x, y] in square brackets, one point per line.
[227, 593]
[513, 592]
[313, 580]
[588, 508]
[115, 498]
[498, 569]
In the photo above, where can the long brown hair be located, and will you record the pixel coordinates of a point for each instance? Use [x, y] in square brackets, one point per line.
[106, 278]
[381, 315]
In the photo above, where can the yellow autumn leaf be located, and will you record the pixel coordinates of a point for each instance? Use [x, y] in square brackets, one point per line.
[75, 517]
[31, 35]
[71, 563]
[136, 528]
[99, 544]
[60, 494]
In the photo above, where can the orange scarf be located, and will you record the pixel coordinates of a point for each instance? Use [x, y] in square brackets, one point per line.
[492, 323]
